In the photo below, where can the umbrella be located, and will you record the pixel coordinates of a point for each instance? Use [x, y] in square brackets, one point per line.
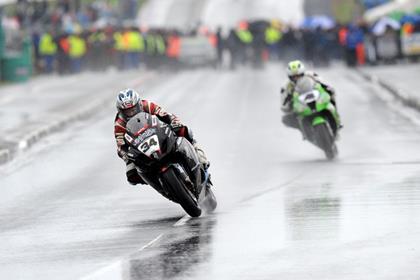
[411, 19]
[258, 25]
[314, 22]
[381, 25]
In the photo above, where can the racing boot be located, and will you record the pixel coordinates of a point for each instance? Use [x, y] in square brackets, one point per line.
[201, 156]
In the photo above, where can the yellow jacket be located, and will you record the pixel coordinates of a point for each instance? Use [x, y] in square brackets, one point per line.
[135, 41]
[245, 36]
[77, 46]
[119, 42]
[272, 35]
[47, 46]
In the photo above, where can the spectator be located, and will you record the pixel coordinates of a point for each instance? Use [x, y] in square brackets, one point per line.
[354, 40]
[220, 45]
[273, 35]
[135, 45]
[48, 50]
[77, 51]
[119, 49]
[63, 59]
[97, 48]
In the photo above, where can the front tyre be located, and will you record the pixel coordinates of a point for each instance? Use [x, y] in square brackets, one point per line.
[184, 196]
[325, 139]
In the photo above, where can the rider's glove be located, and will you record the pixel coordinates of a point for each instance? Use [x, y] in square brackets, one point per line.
[176, 125]
[123, 154]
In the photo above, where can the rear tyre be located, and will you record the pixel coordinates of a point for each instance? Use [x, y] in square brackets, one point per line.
[184, 196]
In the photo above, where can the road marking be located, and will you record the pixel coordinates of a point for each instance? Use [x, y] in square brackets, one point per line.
[275, 188]
[108, 272]
[388, 96]
[104, 273]
[151, 242]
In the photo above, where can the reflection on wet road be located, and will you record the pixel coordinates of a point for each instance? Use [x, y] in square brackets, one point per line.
[314, 218]
[172, 256]
[184, 248]
[328, 224]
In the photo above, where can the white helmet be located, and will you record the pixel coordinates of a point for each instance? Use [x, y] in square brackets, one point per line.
[128, 102]
[295, 70]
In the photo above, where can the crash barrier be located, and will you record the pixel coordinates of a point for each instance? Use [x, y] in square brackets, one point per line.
[16, 66]
[2, 41]
[2, 44]
[410, 44]
[391, 47]
[390, 39]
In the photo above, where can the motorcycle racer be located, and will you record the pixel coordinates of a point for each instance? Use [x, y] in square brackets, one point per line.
[295, 72]
[128, 105]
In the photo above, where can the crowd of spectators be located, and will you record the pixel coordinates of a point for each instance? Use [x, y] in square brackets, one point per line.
[93, 38]
[320, 40]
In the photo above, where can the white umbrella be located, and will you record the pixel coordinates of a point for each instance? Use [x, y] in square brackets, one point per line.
[380, 27]
[313, 22]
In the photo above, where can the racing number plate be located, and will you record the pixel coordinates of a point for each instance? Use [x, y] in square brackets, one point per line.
[149, 145]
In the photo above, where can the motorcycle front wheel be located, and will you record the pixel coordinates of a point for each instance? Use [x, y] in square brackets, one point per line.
[326, 141]
[184, 196]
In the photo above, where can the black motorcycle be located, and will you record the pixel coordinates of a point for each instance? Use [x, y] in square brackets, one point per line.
[169, 164]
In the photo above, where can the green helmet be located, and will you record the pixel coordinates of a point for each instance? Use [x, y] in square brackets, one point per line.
[295, 69]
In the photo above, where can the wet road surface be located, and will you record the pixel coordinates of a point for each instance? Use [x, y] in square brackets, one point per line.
[284, 212]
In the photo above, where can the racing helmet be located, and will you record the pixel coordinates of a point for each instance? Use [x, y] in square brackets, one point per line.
[295, 70]
[128, 102]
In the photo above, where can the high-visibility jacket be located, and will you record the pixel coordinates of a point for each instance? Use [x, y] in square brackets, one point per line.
[245, 36]
[119, 42]
[77, 46]
[47, 46]
[160, 45]
[150, 44]
[97, 37]
[272, 35]
[135, 41]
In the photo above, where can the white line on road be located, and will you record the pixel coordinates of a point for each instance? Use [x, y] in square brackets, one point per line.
[151, 242]
[110, 271]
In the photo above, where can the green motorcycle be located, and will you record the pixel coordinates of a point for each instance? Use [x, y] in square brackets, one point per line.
[318, 118]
